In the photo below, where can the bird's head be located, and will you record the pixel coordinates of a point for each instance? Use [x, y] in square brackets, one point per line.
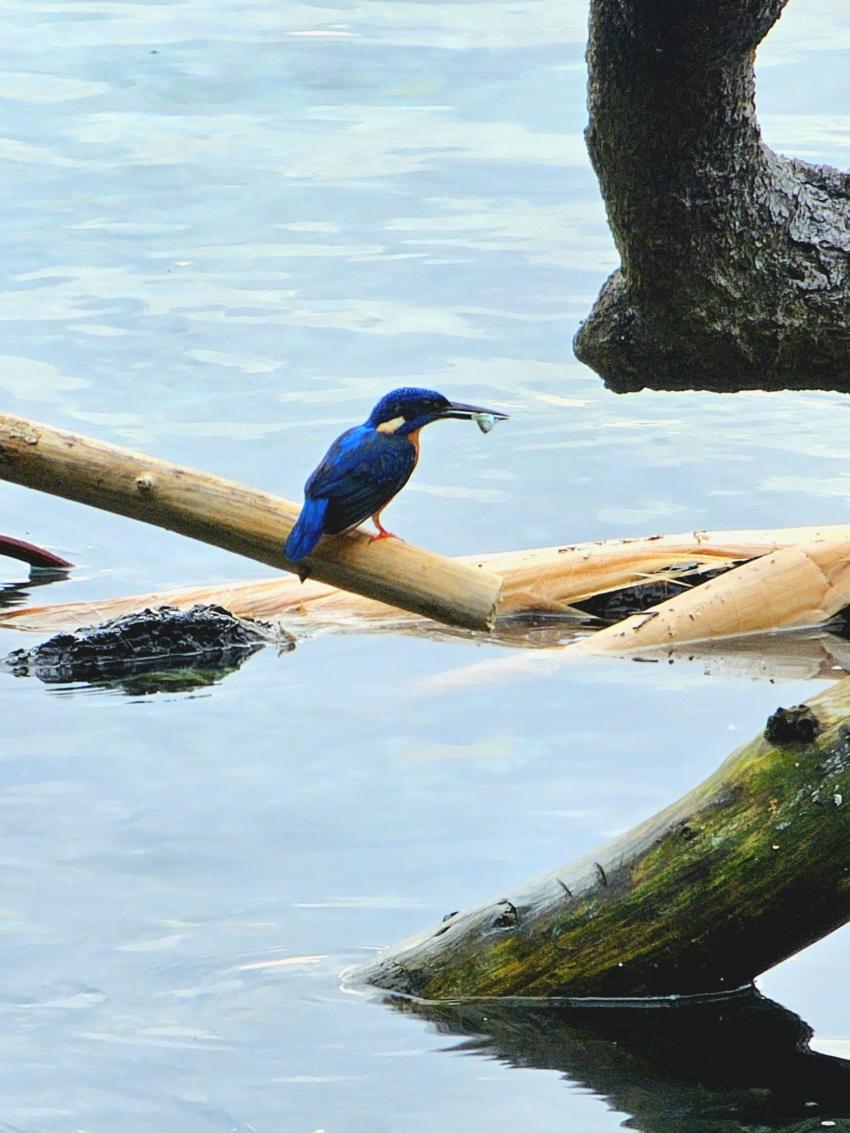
[405, 410]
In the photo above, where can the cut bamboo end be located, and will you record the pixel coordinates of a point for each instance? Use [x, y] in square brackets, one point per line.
[240, 519]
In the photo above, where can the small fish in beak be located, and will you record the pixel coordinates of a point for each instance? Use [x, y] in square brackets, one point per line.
[485, 419]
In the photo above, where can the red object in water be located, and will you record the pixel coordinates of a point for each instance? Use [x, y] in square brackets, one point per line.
[28, 553]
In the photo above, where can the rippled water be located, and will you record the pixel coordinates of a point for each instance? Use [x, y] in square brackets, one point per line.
[229, 226]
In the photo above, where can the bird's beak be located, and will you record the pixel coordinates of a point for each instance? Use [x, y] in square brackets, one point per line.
[456, 409]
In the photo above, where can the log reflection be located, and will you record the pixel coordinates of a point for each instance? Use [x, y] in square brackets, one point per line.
[18, 593]
[729, 1065]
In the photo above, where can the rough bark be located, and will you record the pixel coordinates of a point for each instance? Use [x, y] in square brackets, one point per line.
[740, 873]
[740, 1064]
[734, 269]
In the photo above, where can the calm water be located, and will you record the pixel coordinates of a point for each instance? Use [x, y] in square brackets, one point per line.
[228, 227]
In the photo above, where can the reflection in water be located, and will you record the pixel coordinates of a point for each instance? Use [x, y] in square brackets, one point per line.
[142, 678]
[147, 681]
[17, 593]
[739, 1063]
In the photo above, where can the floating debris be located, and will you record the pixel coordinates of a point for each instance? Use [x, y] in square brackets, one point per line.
[614, 605]
[150, 651]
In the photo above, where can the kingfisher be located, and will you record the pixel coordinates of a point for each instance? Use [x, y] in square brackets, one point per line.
[368, 465]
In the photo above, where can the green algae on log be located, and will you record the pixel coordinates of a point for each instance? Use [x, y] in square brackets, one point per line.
[734, 260]
[740, 873]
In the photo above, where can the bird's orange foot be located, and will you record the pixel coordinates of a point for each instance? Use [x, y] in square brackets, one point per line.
[384, 534]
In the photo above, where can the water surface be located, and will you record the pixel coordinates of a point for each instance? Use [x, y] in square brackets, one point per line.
[229, 227]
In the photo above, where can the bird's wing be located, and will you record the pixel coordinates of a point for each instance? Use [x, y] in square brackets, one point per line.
[362, 470]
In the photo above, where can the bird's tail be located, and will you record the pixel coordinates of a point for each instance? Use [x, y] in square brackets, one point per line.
[307, 531]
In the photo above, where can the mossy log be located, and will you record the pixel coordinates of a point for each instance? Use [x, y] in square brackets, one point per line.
[735, 1064]
[240, 519]
[740, 873]
[734, 260]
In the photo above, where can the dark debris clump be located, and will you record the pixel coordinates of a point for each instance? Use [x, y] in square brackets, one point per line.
[615, 605]
[205, 639]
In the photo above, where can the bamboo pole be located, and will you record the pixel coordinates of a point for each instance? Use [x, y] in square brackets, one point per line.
[544, 579]
[740, 873]
[240, 519]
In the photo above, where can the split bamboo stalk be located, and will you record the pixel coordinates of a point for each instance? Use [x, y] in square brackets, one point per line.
[740, 873]
[545, 579]
[796, 587]
[239, 519]
[801, 585]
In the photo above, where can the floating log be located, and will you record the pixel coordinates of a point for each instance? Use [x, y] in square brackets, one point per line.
[796, 587]
[739, 874]
[240, 519]
[547, 580]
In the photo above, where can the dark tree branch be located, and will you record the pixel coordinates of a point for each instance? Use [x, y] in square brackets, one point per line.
[735, 262]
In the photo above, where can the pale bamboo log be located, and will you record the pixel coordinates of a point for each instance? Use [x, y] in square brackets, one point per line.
[546, 579]
[550, 577]
[742, 872]
[773, 656]
[804, 584]
[240, 519]
[798, 586]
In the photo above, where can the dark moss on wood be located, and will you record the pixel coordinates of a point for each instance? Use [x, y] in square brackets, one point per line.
[614, 605]
[797, 725]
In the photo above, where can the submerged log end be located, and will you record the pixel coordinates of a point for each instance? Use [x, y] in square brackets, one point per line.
[694, 900]
[634, 344]
[31, 555]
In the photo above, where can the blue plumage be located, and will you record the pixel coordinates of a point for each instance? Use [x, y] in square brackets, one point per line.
[367, 465]
[307, 531]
